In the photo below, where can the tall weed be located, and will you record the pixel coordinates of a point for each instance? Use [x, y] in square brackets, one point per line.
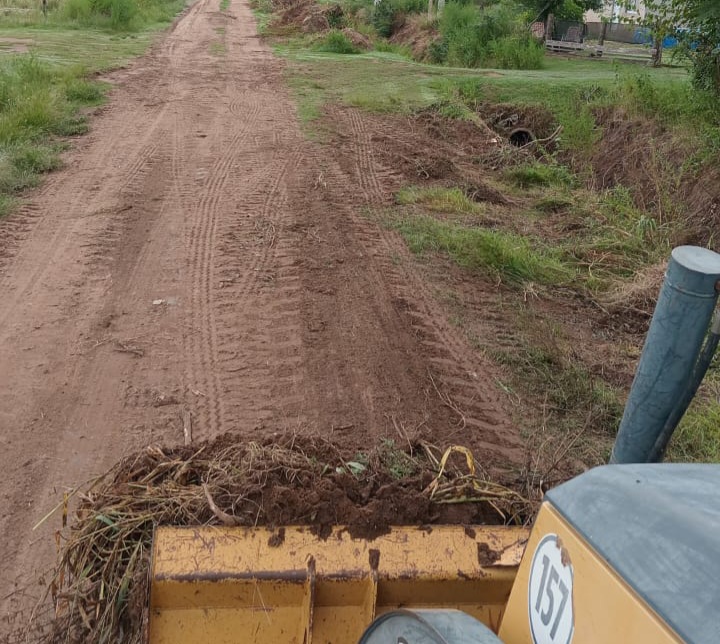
[492, 37]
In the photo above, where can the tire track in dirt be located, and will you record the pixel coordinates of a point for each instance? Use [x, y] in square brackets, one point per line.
[202, 239]
[262, 213]
[477, 401]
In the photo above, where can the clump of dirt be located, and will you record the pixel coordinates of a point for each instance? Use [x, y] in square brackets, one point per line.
[417, 33]
[100, 586]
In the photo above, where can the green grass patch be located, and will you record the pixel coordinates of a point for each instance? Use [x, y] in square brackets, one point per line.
[614, 238]
[541, 174]
[566, 386]
[224, 5]
[697, 438]
[115, 15]
[392, 48]
[511, 257]
[7, 203]
[374, 81]
[336, 42]
[445, 200]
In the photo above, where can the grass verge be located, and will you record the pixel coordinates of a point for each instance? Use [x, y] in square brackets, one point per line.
[45, 93]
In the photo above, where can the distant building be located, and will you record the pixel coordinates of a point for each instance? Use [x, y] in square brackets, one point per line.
[622, 11]
[627, 11]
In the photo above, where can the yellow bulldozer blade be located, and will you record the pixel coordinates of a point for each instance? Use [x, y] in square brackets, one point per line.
[290, 585]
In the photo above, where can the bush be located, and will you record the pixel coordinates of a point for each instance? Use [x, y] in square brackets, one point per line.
[517, 52]
[387, 15]
[494, 37]
[337, 42]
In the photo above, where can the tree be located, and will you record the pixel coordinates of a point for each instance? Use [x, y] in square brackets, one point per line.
[697, 24]
[561, 9]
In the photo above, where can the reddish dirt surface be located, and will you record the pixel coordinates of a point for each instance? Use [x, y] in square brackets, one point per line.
[198, 260]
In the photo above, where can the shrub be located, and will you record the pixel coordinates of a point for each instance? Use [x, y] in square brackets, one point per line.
[337, 42]
[517, 52]
[493, 37]
[388, 14]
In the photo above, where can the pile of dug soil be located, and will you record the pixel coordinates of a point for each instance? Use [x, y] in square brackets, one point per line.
[417, 33]
[100, 587]
[424, 148]
[357, 39]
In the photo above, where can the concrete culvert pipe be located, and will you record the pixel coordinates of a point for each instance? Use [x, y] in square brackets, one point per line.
[521, 136]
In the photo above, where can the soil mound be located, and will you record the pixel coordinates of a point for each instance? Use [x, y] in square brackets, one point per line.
[306, 16]
[357, 39]
[418, 34]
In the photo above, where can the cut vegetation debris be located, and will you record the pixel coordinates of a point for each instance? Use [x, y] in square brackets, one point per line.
[100, 587]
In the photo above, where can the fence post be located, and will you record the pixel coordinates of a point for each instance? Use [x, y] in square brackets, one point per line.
[603, 32]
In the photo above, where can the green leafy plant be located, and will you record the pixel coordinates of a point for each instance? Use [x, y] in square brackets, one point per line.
[337, 42]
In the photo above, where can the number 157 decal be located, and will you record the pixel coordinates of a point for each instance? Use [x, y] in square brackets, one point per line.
[550, 593]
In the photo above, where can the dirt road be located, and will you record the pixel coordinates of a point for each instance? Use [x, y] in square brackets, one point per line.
[199, 263]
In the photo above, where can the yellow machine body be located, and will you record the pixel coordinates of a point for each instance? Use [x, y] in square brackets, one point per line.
[601, 607]
[226, 585]
[620, 554]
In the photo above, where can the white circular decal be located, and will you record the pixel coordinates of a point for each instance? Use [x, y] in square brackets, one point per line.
[550, 593]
